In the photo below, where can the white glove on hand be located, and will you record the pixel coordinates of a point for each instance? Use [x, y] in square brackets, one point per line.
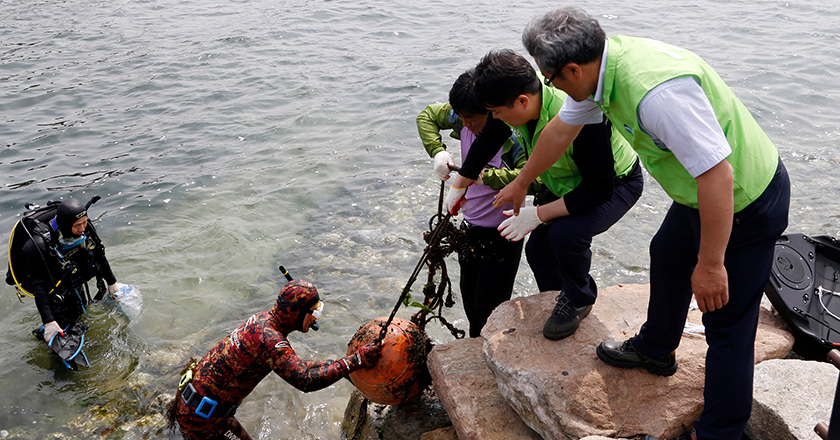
[442, 162]
[516, 227]
[454, 200]
[114, 288]
[50, 329]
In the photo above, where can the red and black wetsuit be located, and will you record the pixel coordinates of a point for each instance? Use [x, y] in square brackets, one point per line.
[231, 370]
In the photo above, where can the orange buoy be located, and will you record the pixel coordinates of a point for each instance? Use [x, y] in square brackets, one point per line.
[400, 373]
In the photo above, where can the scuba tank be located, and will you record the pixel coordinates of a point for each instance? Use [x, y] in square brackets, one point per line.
[34, 222]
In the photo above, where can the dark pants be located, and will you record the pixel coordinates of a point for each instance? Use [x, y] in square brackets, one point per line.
[488, 269]
[559, 252]
[730, 331]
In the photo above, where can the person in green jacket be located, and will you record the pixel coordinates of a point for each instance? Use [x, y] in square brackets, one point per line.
[489, 263]
[730, 191]
[591, 187]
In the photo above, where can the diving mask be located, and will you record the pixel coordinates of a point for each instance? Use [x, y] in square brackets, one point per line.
[316, 310]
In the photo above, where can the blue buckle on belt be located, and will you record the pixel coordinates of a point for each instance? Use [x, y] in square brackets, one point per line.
[209, 402]
[189, 394]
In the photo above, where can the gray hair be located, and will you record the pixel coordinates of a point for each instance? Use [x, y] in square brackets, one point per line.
[565, 35]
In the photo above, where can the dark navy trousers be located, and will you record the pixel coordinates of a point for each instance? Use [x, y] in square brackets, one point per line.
[559, 252]
[731, 330]
[488, 270]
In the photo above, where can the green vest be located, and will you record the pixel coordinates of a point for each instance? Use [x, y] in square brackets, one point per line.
[563, 176]
[634, 67]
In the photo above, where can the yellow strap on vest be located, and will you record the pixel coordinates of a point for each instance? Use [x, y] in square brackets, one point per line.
[187, 377]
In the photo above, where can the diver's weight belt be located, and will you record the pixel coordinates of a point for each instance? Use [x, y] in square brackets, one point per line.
[205, 406]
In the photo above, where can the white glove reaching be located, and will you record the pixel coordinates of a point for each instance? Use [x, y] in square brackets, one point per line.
[50, 329]
[114, 288]
[454, 200]
[442, 162]
[516, 227]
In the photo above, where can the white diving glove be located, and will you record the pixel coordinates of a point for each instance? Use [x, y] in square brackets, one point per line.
[454, 200]
[50, 329]
[516, 227]
[442, 162]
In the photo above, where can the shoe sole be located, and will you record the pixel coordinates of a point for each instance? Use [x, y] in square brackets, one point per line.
[620, 364]
[564, 335]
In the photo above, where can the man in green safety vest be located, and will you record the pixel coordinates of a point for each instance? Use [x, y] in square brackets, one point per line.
[730, 192]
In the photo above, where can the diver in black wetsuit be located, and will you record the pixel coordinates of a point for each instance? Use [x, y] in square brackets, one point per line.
[58, 261]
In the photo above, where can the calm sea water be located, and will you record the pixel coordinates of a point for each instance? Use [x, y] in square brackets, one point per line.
[227, 138]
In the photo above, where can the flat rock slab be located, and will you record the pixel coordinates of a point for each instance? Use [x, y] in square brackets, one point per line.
[563, 391]
[467, 389]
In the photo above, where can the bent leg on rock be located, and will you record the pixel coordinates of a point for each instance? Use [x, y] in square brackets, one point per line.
[560, 256]
[559, 252]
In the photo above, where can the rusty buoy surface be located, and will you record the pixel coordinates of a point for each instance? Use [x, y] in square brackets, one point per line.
[400, 373]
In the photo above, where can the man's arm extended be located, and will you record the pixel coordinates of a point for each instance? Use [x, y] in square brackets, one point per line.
[552, 144]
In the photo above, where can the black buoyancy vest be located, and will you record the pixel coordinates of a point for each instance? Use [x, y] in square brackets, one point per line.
[34, 226]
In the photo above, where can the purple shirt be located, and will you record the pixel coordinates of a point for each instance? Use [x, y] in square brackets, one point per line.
[479, 208]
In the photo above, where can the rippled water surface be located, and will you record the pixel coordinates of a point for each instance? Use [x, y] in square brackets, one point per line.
[226, 138]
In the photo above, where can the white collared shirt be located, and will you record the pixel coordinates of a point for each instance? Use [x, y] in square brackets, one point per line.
[676, 114]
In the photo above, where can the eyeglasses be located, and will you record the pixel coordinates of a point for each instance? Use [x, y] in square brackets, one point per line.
[316, 310]
[548, 81]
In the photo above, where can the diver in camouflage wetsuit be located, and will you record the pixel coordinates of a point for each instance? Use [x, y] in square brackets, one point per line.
[212, 389]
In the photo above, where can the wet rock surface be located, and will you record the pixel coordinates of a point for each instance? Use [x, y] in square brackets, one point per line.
[365, 420]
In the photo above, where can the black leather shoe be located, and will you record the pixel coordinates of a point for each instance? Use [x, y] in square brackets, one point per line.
[624, 355]
[564, 319]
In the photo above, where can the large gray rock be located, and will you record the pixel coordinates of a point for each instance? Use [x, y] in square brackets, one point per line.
[790, 397]
[563, 391]
[467, 388]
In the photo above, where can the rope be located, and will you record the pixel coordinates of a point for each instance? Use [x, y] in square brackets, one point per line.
[442, 239]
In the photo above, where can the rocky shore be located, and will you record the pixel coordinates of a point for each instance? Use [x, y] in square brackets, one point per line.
[512, 383]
